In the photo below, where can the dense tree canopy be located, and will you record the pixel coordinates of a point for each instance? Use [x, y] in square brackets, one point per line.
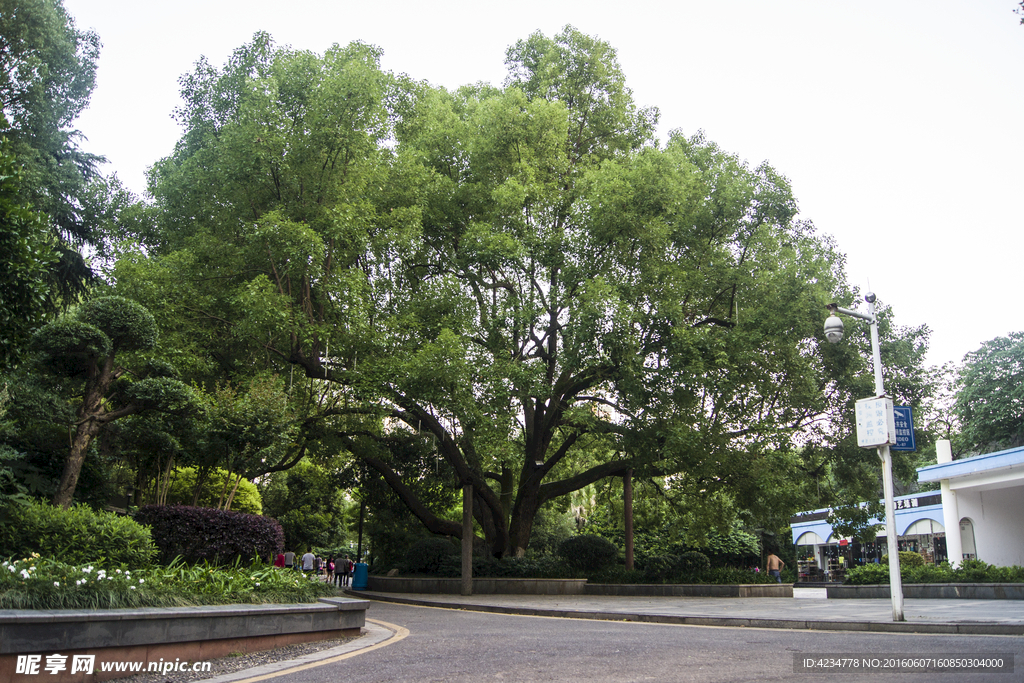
[517, 289]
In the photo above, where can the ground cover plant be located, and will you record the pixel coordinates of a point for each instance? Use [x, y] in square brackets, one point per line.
[42, 583]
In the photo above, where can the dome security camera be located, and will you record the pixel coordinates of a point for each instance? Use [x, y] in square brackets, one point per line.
[833, 329]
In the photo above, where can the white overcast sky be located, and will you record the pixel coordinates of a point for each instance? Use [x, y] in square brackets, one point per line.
[898, 122]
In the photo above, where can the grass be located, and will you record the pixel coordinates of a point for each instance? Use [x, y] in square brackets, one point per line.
[42, 583]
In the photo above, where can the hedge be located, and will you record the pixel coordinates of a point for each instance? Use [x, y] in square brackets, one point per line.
[76, 535]
[198, 534]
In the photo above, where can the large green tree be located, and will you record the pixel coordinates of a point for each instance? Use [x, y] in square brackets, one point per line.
[990, 395]
[26, 254]
[47, 75]
[516, 286]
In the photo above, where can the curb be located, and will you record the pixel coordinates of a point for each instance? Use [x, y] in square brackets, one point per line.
[374, 634]
[952, 628]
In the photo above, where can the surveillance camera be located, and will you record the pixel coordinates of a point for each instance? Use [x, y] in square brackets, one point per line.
[833, 329]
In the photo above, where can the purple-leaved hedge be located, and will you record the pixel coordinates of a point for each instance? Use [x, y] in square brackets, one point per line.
[198, 534]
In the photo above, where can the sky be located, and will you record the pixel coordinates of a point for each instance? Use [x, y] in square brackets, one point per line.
[897, 122]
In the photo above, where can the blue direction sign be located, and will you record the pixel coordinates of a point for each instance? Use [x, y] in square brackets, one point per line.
[904, 429]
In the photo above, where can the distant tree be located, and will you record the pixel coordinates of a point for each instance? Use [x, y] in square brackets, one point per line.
[182, 487]
[47, 75]
[990, 395]
[87, 350]
[307, 502]
[26, 255]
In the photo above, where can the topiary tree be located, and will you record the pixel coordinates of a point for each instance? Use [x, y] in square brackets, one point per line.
[588, 553]
[82, 349]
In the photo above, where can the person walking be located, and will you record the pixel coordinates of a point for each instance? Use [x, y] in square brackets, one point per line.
[775, 565]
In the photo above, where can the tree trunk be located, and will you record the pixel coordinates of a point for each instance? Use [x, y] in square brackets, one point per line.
[627, 496]
[467, 540]
[506, 482]
[84, 434]
[234, 490]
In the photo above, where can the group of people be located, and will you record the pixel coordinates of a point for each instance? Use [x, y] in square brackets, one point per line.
[336, 570]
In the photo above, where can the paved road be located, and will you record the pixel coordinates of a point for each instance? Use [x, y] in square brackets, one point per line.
[976, 617]
[455, 645]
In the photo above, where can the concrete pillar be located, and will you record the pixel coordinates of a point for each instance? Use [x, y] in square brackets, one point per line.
[950, 510]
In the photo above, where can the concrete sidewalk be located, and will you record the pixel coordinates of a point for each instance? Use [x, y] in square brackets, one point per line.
[803, 611]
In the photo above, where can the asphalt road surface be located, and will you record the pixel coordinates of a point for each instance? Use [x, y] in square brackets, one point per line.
[451, 645]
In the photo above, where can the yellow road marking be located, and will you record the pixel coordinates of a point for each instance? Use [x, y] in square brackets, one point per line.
[400, 632]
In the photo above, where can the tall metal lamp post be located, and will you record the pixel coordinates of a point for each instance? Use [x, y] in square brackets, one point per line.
[876, 429]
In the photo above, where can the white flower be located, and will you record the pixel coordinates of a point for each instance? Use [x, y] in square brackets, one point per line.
[131, 587]
[257, 584]
[142, 581]
[57, 584]
[86, 569]
[24, 574]
[118, 571]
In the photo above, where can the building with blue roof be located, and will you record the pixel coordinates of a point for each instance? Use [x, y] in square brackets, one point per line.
[981, 498]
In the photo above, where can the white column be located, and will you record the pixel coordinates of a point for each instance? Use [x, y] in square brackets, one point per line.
[950, 511]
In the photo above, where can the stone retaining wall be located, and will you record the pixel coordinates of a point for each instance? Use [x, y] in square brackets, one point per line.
[189, 634]
[703, 590]
[482, 586]
[939, 591]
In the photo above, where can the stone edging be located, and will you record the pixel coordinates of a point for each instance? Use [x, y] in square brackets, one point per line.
[702, 590]
[481, 586]
[495, 586]
[967, 591]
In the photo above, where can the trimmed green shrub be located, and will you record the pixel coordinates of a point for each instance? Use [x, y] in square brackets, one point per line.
[197, 534]
[588, 553]
[542, 567]
[77, 535]
[908, 558]
[969, 571]
[426, 555]
[692, 562]
[658, 567]
[976, 571]
[928, 573]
